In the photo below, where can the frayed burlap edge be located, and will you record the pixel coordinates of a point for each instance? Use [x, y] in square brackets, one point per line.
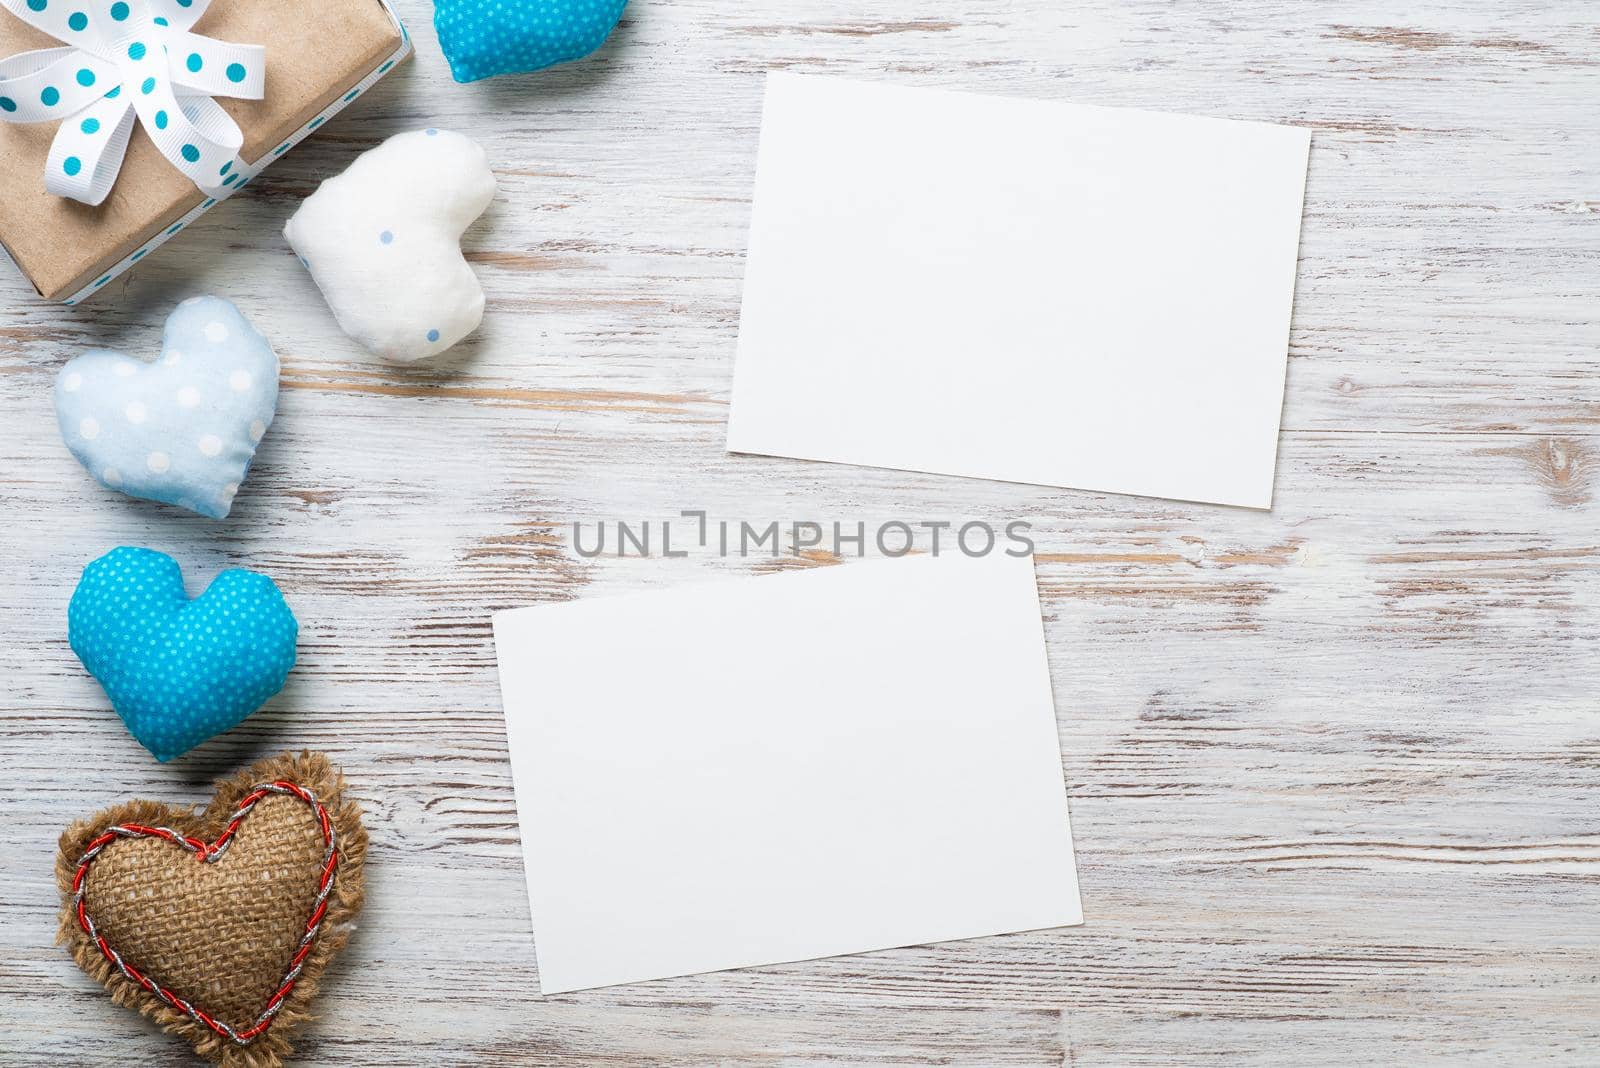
[310, 770]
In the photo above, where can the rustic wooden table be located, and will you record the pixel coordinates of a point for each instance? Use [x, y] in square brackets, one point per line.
[1332, 767]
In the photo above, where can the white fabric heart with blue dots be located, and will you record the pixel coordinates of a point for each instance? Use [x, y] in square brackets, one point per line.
[383, 243]
[127, 59]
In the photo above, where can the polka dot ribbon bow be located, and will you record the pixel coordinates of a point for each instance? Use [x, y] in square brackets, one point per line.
[128, 58]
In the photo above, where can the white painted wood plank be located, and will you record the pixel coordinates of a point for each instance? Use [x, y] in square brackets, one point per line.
[1333, 768]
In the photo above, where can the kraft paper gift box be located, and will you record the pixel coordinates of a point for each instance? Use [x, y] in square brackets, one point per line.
[320, 56]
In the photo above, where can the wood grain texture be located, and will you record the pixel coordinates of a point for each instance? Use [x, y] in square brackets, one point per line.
[1333, 768]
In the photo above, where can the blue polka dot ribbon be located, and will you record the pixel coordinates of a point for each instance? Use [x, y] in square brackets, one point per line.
[127, 60]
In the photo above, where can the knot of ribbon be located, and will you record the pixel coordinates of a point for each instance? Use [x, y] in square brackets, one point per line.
[125, 59]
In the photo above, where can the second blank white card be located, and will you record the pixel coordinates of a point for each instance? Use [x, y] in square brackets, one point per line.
[775, 769]
[1021, 290]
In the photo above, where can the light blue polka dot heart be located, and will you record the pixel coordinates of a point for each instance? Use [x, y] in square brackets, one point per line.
[184, 429]
[179, 671]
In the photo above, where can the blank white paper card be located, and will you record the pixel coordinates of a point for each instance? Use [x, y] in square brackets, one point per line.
[775, 769]
[1028, 291]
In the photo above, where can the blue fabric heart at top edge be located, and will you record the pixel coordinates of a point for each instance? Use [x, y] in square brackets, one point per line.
[179, 671]
[482, 38]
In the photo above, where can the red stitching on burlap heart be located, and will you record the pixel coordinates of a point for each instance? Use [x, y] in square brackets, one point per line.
[210, 853]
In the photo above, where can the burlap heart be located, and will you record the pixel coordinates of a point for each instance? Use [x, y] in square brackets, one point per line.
[218, 924]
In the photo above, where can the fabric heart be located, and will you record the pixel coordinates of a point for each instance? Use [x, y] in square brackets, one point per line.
[482, 38]
[184, 429]
[218, 925]
[383, 243]
[179, 671]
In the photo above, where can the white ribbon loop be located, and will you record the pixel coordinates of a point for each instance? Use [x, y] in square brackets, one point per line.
[97, 137]
[52, 83]
[216, 68]
[128, 58]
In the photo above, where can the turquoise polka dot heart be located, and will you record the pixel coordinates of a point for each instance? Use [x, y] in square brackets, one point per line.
[482, 38]
[179, 671]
